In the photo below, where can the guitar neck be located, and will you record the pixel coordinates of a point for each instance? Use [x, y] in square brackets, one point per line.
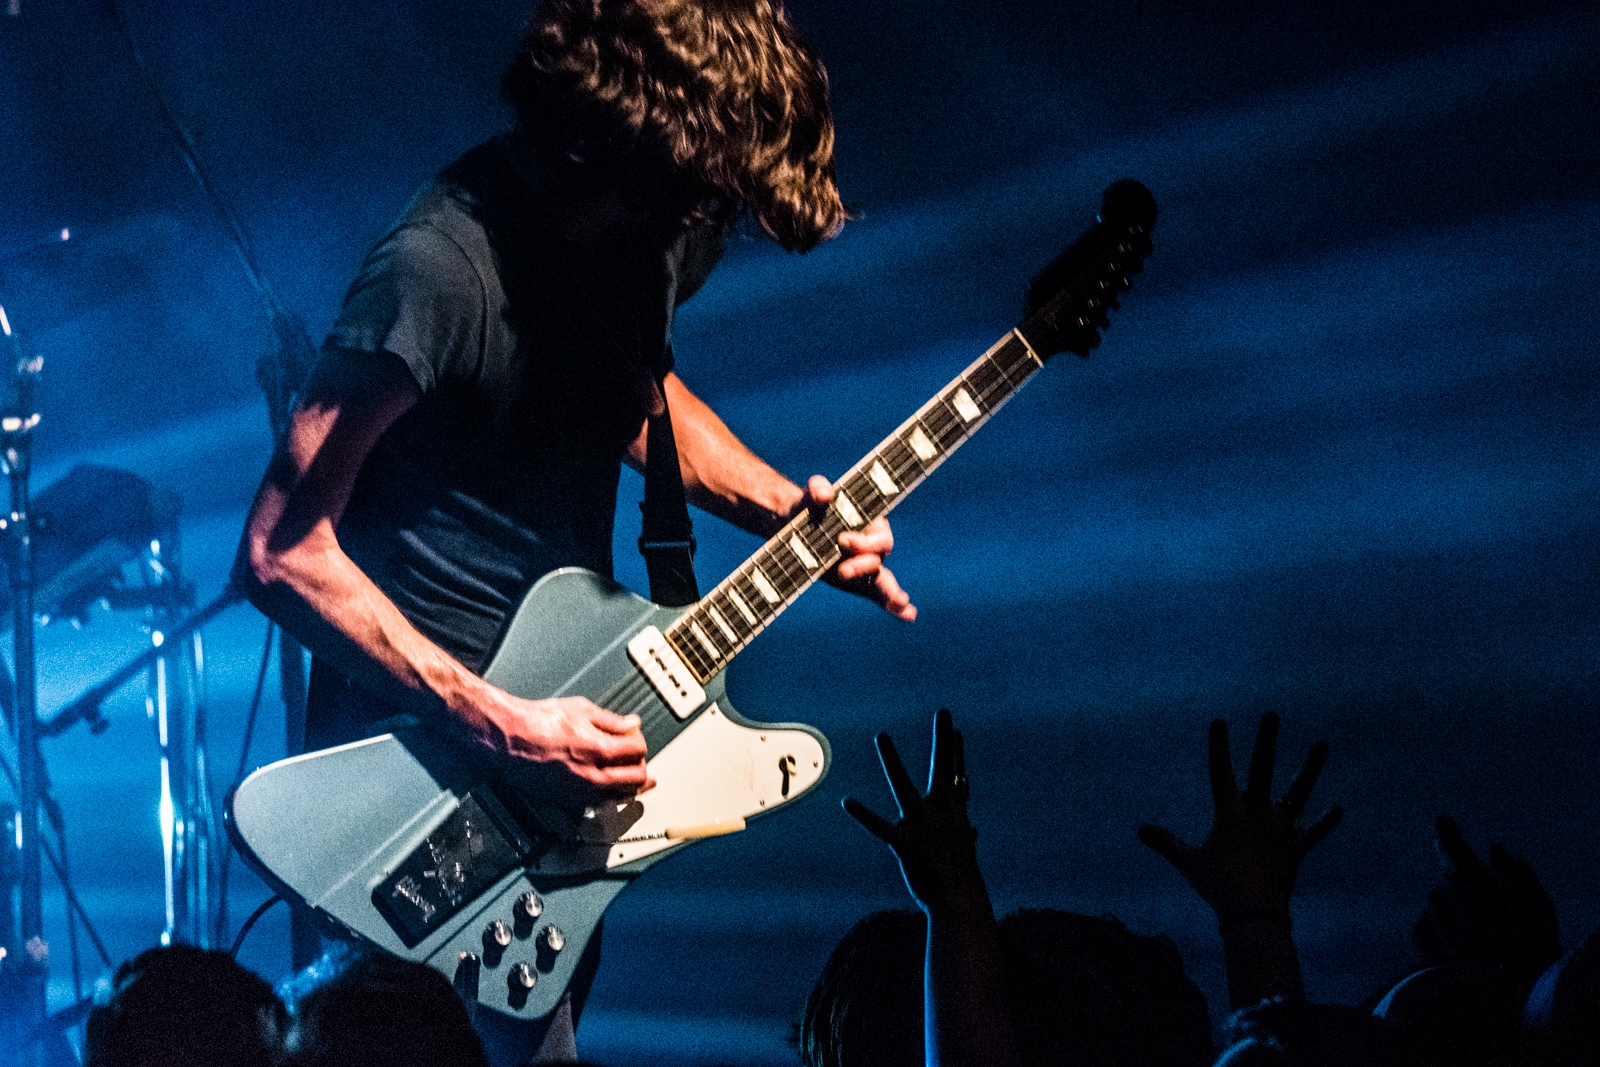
[724, 621]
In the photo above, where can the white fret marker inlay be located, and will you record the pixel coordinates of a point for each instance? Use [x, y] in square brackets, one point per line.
[847, 509]
[722, 624]
[744, 609]
[694, 627]
[922, 446]
[880, 478]
[803, 554]
[964, 406]
[763, 585]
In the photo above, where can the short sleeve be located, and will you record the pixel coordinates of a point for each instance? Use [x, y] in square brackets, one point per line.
[418, 297]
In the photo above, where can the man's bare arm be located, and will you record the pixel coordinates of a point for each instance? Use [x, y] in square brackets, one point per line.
[723, 477]
[291, 566]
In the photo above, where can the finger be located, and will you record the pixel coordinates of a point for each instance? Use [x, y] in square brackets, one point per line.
[1224, 790]
[905, 793]
[1294, 801]
[1165, 843]
[892, 598]
[819, 491]
[1323, 826]
[941, 765]
[875, 824]
[1258, 787]
[874, 537]
[859, 568]
[626, 775]
[1455, 851]
[612, 723]
[606, 749]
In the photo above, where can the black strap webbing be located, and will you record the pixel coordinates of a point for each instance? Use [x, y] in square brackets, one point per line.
[667, 535]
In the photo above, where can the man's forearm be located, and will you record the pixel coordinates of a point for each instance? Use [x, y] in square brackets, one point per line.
[723, 477]
[318, 593]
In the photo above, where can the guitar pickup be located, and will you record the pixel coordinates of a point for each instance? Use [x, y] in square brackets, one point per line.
[666, 672]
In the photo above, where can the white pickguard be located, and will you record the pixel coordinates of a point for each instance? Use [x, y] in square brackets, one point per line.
[714, 771]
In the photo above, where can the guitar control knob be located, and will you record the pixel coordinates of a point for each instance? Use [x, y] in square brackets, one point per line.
[522, 978]
[496, 936]
[552, 939]
[530, 906]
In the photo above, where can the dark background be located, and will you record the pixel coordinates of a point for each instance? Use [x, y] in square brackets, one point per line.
[1337, 457]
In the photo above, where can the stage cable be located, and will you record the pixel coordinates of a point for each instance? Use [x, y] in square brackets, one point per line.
[244, 763]
[255, 916]
[280, 375]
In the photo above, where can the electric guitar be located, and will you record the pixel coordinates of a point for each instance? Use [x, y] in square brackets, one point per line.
[429, 847]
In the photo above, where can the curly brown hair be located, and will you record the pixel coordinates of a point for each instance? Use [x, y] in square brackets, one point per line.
[724, 93]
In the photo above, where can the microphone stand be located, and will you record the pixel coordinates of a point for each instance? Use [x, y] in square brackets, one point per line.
[16, 432]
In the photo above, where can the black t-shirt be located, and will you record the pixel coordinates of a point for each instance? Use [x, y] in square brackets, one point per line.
[533, 361]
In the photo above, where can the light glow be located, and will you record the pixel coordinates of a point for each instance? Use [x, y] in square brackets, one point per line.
[5, 323]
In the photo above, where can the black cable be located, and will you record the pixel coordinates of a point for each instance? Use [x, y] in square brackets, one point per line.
[248, 923]
[244, 762]
[191, 158]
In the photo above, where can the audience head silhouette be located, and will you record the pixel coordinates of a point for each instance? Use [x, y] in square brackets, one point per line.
[1087, 991]
[406, 1013]
[185, 1007]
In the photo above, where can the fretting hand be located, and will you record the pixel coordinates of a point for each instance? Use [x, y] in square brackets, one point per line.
[861, 570]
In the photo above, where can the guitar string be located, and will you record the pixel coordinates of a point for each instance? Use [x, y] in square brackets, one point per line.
[1001, 383]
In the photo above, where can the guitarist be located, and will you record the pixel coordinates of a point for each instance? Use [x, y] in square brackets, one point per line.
[497, 358]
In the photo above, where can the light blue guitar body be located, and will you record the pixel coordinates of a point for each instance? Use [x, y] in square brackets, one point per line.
[330, 829]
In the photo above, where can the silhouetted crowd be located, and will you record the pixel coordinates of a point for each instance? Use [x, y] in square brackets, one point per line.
[947, 985]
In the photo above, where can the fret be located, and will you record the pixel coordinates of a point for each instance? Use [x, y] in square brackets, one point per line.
[863, 492]
[690, 653]
[1019, 360]
[764, 585]
[801, 552]
[739, 602]
[705, 641]
[903, 464]
[847, 509]
[983, 379]
[881, 478]
[943, 423]
[1028, 360]
[729, 617]
[722, 624]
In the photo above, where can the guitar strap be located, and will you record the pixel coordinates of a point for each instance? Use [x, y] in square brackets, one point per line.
[666, 535]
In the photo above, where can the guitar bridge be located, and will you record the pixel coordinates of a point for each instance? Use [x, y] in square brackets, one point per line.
[666, 672]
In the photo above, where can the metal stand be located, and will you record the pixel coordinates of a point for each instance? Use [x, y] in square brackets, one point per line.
[30, 969]
[175, 704]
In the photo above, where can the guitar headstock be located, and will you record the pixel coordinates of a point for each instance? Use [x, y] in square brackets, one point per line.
[1069, 300]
